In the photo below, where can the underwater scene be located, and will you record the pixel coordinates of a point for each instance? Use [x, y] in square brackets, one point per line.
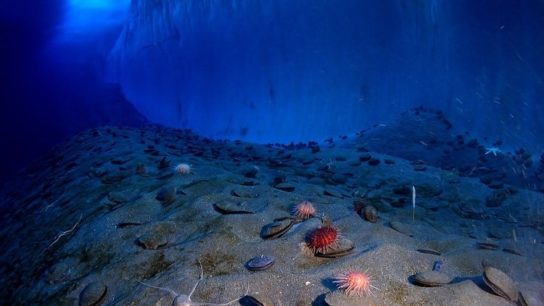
[272, 152]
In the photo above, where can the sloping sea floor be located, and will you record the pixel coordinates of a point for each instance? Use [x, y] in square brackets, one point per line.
[105, 218]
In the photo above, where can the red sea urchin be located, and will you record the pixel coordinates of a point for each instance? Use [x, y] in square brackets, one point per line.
[323, 238]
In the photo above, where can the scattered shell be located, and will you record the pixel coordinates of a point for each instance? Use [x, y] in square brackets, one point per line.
[257, 299]
[432, 278]
[512, 251]
[365, 157]
[342, 247]
[246, 192]
[373, 162]
[152, 240]
[232, 206]
[117, 197]
[402, 228]
[521, 300]
[286, 187]
[487, 245]
[500, 283]
[164, 163]
[128, 224]
[332, 193]
[64, 271]
[370, 213]
[420, 168]
[250, 171]
[93, 294]
[429, 251]
[277, 228]
[260, 263]
[114, 178]
[167, 195]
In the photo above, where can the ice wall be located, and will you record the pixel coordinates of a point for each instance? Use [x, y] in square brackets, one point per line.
[287, 70]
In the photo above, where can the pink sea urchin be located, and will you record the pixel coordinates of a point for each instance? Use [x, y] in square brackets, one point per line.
[304, 210]
[183, 168]
[354, 283]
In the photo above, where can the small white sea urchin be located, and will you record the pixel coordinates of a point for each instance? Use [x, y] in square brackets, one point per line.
[183, 168]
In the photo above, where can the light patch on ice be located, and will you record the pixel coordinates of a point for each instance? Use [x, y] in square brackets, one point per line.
[87, 17]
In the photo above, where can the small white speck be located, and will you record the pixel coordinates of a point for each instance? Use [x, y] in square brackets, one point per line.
[308, 283]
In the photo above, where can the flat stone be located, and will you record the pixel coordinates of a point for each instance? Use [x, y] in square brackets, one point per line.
[166, 195]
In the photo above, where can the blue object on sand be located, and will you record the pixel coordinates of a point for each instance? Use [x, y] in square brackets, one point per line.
[437, 265]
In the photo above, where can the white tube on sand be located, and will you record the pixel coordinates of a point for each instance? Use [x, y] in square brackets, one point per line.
[413, 202]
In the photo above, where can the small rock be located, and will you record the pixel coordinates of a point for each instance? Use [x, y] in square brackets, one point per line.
[164, 163]
[373, 162]
[250, 171]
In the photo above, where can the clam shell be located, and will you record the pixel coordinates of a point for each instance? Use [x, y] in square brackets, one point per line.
[277, 228]
[341, 248]
[260, 263]
[432, 278]
[93, 294]
[152, 240]
[234, 206]
[370, 213]
[167, 195]
[500, 283]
